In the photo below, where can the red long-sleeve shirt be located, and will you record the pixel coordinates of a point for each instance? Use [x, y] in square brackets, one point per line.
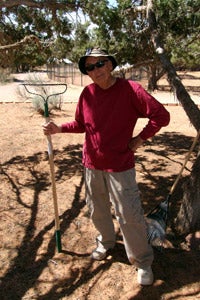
[108, 118]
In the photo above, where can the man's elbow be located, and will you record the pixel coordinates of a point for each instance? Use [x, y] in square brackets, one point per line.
[164, 119]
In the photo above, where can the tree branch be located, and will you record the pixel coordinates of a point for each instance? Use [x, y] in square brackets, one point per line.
[31, 3]
[189, 106]
[141, 8]
[26, 40]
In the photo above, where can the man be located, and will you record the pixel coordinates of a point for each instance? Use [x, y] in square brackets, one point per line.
[107, 112]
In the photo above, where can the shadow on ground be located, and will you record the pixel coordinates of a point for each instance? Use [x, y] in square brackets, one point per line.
[26, 268]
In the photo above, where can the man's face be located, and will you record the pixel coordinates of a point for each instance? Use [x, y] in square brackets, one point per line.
[101, 72]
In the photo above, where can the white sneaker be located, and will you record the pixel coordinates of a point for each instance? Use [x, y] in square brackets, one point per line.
[145, 276]
[101, 251]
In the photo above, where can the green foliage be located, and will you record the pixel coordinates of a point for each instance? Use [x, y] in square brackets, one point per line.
[81, 39]
[179, 23]
[68, 30]
[180, 17]
[187, 56]
[124, 31]
[53, 30]
[29, 56]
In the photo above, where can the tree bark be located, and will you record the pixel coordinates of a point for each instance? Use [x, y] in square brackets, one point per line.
[154, 76]
[50, 4]
[25, 40]
[152, 82]
[188, 219]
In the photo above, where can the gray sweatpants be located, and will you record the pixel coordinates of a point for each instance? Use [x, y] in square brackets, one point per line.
[119, 189]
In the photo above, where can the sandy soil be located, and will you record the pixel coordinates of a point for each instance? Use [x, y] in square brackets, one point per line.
[31, 267]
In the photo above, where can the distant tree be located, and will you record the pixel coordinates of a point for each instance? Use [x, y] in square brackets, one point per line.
[81, 38]
[48, 21]
[124, 29]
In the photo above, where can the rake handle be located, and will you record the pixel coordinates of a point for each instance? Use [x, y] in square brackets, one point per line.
[185, 162]
[50, 153]
[53, 184]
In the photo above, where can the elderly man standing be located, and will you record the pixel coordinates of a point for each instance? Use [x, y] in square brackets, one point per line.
[107, 112]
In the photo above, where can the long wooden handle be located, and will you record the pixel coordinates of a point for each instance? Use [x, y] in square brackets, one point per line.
[185, 162]
[53, 181]
[53, 184]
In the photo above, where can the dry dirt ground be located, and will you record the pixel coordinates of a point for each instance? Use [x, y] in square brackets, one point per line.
[31, 267]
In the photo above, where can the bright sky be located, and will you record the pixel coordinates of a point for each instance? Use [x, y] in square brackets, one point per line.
[112, 2]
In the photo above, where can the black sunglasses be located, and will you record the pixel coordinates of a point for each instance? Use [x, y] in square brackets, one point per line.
[98, 64]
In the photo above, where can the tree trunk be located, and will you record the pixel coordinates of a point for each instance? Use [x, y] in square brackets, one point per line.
[155, 74]
[188, 218]
[152, 82]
